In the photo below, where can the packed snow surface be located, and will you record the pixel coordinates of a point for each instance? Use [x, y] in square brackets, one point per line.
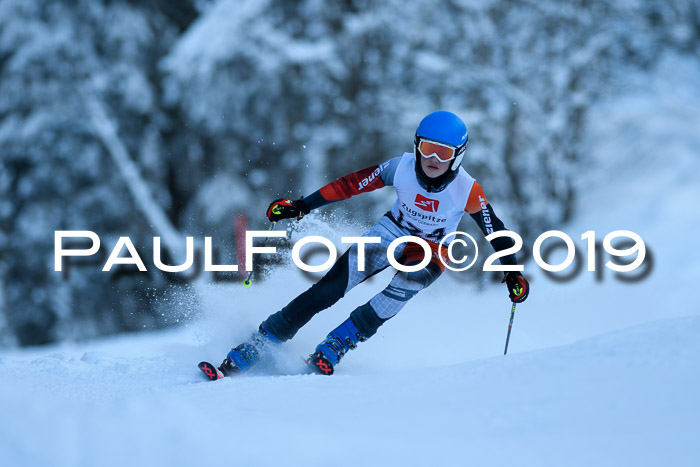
[624, 398]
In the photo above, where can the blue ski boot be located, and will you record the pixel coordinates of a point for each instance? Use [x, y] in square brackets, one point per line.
[329, 352]
[246, 355]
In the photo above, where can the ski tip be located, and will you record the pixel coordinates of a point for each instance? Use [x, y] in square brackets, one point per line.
[211, 372]
[320, 364]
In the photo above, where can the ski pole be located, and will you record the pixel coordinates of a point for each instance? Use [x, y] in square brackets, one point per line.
[510, 326]
[246, 282]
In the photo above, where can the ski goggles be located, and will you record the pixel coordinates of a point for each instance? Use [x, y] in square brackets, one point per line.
[440, 151]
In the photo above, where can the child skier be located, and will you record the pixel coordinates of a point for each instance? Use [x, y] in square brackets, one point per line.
[433, 193]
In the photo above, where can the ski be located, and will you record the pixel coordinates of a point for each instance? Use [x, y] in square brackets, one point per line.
[211, 372]
[314, 364]
[319, 364]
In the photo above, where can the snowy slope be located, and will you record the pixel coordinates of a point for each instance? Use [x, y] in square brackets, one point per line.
[626, 398]
[599, 373]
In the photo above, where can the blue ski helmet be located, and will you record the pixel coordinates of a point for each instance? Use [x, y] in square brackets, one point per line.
[444, 127]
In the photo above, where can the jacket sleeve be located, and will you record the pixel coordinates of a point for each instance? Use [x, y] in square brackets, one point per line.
[362, 181]
[487, 220]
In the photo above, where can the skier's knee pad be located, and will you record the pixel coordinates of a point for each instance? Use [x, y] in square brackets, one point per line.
[425, 276]
[366, 320]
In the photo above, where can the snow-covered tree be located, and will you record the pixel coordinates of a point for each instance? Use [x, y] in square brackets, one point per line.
[55, 57]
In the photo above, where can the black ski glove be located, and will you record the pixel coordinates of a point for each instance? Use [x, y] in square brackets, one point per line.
[287, 209]
[518, 287]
